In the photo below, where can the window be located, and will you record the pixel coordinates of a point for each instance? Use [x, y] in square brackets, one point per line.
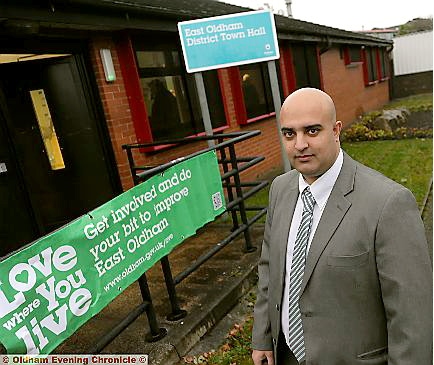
[287, 69]
[256, 89]
[352, 54]
[370, 65]
[279, 80]
[306, 66]
[384, 64]
[170, 94]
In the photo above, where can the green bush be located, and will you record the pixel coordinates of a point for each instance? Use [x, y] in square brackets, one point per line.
[363, 130]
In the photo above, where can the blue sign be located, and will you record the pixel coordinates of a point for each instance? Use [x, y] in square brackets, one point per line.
[228, 40]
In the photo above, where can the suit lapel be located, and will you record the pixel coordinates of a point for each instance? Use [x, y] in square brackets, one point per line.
[288, 201]
[334, 211]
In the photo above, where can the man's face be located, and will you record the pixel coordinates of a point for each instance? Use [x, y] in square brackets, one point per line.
[310, 136]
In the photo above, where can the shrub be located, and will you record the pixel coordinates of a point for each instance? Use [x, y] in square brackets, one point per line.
[360, 132]
[363, 130]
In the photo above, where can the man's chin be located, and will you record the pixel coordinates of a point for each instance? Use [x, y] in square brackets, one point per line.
[308, 172]
[306, 169]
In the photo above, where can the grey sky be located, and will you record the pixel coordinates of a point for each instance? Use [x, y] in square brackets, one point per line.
[349, 14]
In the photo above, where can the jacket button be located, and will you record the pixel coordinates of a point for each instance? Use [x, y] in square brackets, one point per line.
[277, 307]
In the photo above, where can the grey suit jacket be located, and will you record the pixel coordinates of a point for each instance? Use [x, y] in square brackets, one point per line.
[366, 295]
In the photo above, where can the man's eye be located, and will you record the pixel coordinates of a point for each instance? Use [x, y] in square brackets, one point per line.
[287, 134]
[313, 131]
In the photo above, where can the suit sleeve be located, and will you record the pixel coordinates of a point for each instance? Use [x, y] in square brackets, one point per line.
[405, 274]
[261, 334]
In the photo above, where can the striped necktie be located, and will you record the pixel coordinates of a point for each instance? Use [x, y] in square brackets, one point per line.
[296, 338]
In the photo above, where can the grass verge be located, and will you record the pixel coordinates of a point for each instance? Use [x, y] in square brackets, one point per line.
[415, 103]
[408, 162]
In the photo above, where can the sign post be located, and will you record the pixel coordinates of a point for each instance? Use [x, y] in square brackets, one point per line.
[231, 40]
[204, 106]
[277, 103]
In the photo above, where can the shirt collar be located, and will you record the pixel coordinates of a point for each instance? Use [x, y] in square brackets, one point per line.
[322, 187]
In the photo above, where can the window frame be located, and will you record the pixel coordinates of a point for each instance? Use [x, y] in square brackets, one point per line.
[383, 66]
[287, 70]
[378, 56]
[348, 60]
[306, 60]
[139, 113]
[235, 83]
[287, 81]
[370, 62]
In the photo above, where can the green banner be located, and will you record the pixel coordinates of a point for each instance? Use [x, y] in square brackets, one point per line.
[52, 287]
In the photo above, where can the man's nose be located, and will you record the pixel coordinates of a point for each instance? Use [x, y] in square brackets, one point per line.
[300, 142]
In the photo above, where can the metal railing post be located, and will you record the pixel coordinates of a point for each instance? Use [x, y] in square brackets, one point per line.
[132, 164]
[236, 203]
[156, 332]
[234, 216]
[233, 157]
[177, 312]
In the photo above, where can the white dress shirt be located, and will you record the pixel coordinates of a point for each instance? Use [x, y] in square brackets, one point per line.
[320, 189]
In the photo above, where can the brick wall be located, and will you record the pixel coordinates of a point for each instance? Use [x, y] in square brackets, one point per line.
[121, 128]
[118, 116]
[345, 84]
[116, 108]
[266, 144]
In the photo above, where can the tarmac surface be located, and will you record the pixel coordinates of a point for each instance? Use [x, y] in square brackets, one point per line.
[214, 297]
[207, 295]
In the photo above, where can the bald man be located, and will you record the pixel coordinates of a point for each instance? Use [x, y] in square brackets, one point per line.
[344, 276]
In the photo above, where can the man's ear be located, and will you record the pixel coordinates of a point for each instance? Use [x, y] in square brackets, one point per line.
[337, 129]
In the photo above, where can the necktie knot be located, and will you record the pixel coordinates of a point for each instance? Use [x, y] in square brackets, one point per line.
[308, 200]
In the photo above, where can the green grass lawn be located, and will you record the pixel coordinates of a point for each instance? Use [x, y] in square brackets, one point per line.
[408, 162]
[413, 103]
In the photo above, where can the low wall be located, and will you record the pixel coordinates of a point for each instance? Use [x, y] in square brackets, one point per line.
[421, 120]
[412, 84]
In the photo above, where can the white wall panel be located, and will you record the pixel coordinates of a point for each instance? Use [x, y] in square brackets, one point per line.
[413, 53]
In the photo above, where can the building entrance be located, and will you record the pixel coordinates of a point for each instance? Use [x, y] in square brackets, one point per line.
[54, 155]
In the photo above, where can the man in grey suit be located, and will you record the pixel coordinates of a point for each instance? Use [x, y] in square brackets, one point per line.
[344, 276]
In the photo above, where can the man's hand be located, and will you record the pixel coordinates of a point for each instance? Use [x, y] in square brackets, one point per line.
[262, 357]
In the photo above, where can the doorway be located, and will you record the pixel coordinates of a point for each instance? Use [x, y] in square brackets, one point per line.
[56, 162]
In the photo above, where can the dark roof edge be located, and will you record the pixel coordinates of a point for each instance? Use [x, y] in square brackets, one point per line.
[331, 40]
[322, 31]
[283, 23]
[127, 14]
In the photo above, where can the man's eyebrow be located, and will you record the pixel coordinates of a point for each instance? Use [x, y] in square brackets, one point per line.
[285, 129]
[313, 126]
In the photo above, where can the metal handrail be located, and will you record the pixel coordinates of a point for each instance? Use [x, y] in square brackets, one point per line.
[232, 167]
